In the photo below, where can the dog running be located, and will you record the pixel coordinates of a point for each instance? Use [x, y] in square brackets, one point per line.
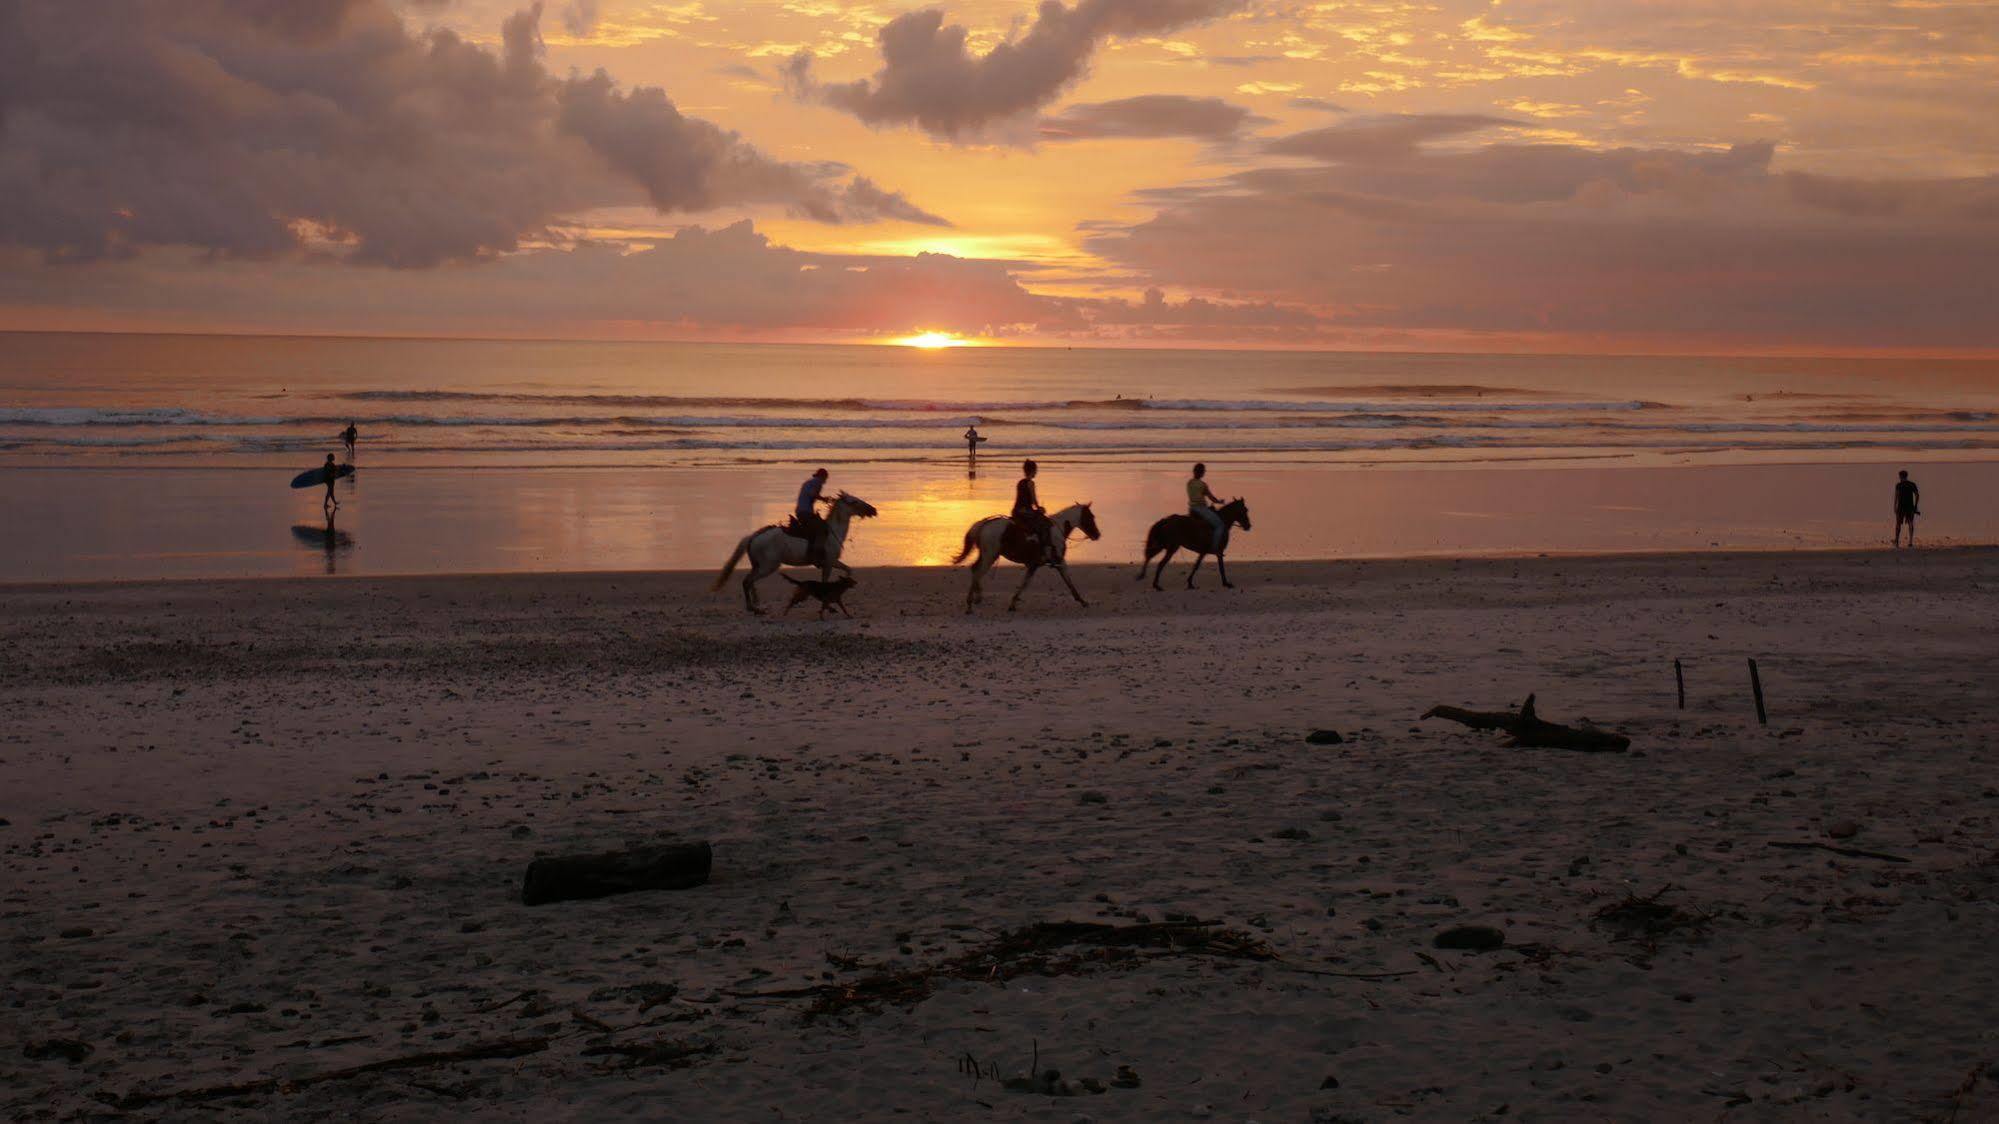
[829, 594]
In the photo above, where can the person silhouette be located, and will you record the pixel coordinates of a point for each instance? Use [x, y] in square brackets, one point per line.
[332, 471]
[1907, 497]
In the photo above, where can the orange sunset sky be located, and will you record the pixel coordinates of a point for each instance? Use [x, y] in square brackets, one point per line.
[1753, 175]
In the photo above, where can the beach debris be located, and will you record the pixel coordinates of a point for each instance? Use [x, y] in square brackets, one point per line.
[1042, 948]
[672, 866]
[1530, 732]
[1471, 938]
[480, 1051]
[1324, 737]
[1849, 852]
[70, 1050]
[1645, 920]
[1756, 688]
[1843, 829]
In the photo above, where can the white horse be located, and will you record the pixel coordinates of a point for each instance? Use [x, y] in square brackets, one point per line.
[771, 547]
[989, 537]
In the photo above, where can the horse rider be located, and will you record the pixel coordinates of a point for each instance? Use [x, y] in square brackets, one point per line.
[1202, 504]
[806, 522]
[1028, 514]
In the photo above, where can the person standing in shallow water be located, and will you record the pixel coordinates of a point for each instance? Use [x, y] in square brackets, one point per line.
[1907, 496]
[347, 437]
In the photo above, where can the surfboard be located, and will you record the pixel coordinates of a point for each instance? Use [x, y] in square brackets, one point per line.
[314, 477]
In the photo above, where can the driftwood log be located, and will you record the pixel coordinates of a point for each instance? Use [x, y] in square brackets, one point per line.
[676, 866]
[1530, 732]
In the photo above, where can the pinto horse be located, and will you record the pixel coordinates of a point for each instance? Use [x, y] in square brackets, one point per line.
[771, 547]
[1191, 532]
[994, 537]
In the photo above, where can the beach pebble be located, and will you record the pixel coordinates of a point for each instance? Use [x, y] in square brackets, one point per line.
[1324, 737]
[1127, 1078]
[1092, 797]
[1471, 938]
[66, 1049]
[1295, 833]
[1843, 829]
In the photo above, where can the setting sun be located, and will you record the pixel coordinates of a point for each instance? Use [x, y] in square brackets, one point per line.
[933, 340]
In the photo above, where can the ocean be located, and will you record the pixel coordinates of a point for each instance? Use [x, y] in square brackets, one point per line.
[152, 456]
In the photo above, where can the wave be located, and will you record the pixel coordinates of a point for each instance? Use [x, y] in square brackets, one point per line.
[935, 406]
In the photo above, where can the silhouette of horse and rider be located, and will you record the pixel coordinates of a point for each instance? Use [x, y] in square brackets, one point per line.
[1203, 530]
[1028, 535]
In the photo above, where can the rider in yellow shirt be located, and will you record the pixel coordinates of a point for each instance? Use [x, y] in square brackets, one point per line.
[1201, 503]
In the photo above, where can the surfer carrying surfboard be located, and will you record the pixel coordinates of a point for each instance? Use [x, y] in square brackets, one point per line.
[972, 440]
[332, 474]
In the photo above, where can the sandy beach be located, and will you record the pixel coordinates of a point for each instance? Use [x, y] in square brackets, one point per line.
[271, 834]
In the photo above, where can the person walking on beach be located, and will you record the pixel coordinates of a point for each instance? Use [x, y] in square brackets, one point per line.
[330, 505]
[805, 519]
[1027, 511]
[1907, 496]
[972, 440]
[347, 437]
[1201, 503]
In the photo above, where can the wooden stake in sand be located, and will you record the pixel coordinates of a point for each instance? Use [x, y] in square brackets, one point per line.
[1756, 688]
[1680, 681]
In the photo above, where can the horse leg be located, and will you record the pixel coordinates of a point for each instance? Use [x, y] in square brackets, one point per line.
[1163, 560]
[1198, 559]
[1146, 562]
[1224, 568]
[1063, 570]
[1028, 577]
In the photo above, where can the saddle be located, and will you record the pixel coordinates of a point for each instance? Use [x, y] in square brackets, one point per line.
[1014, 541]
[799, 529]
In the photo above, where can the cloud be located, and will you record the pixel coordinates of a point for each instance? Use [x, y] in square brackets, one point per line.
[1150, 116]
[264, 128]
[930, 78]
[579, 17]
[727, 282]
[1375, 138]
[1382, 231]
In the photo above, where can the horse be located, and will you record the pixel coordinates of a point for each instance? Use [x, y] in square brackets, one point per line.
[771, 547]
[991, 538]
[1191, 532]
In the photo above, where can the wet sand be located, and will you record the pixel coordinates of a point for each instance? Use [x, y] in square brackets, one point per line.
[125, 524]
[273, 830]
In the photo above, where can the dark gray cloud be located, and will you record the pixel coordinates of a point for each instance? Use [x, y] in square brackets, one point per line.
[1383, 232]
[931, 79]
[1150, 115]
[261, 128]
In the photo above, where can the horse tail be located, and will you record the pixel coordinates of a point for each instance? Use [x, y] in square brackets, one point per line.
[729, 567]
[971, 542]
[1152, 547]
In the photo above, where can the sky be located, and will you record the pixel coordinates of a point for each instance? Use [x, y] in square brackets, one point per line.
[1692, 176]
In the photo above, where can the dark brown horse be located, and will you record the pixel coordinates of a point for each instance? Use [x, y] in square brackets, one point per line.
[1191, 532]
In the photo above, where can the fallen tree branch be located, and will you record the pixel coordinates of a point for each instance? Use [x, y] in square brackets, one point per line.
[1849, 852]
[1530, 732]
[483, 1051]
[1029, 950]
